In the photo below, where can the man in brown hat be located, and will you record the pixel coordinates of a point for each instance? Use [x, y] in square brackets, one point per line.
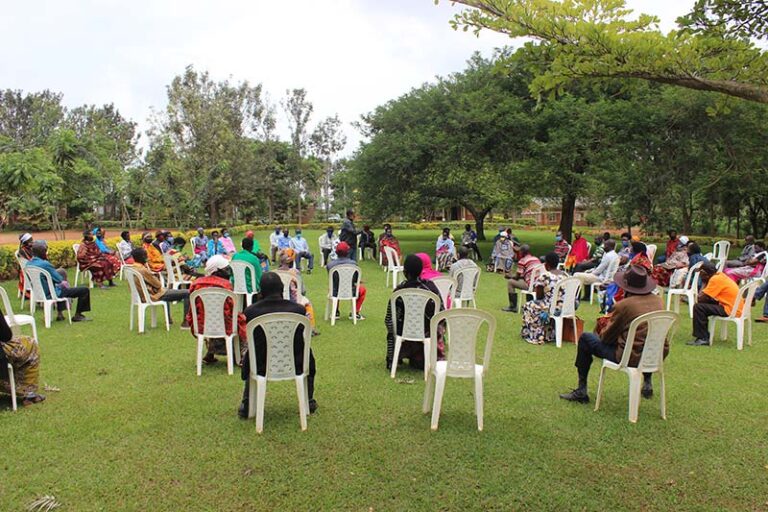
[638, 300]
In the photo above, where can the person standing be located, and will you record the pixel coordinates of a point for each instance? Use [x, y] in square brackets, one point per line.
[349, 234]
[716, 299]
[272, 302]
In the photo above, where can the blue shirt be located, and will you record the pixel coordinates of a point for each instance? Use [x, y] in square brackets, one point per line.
[214, 249]
[46, 265]
[283, 242]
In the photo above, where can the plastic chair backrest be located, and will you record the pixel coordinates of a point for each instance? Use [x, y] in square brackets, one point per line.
[720, 250]
[691, 280]
[675, 277]
[567, 291]
[659, 329]
[348, 275]
[21, 261]
[35, 276]
[414, 309]
[120, 255]
[136, 281]
[446, 285]
[172, 269]
[745, 297]
[75, 249]
[7, 309]
[240, 269]
[214, 300]
[463, 326]
[393, 260]
[589, 248]
[279, 330]
[287, 277]
[535, 275]
[471, 276]
[650, 251]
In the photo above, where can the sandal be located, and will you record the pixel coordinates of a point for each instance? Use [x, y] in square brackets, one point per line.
[33, 399]
[210, 359]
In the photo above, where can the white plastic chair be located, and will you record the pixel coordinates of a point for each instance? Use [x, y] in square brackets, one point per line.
[467, 280]
[287, 277]
[561, 265]
[175, 279]
[690, 290]
[445, 285]
[414, 309]
[122, 261]
[240, 271]
[523, 294]
[463, 326]
[214, 301]
[15, 322]
[393, 265]
[650, 251]
[35, 274]
[594, 288]
[320, 250]
[589, 249]
[12, 385]
[720, 253]
[570, 288]
[359, 249]
[350, 276]
[660, 325]
[138, 291]
[22, 262]
[279, 330]
[76, 248]
[742, 320]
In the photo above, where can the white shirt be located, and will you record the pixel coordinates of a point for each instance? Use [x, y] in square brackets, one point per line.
[327, 242]
[273, 239]
[299, 244]
[601, 271]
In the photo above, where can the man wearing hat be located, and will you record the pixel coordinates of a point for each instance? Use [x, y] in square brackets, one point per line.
[638, 300]
[217, 275]
[342, 251]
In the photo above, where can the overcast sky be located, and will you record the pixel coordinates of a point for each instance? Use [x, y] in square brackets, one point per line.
[350, 55]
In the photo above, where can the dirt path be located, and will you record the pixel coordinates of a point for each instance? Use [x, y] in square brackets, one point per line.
[12, 237]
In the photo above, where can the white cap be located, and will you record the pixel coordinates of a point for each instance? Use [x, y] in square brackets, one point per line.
[215, 263]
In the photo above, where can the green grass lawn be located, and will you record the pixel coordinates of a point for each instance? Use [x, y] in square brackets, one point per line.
[134, 428]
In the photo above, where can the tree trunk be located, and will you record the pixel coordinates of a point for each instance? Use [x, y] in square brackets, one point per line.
[567, 215]
[271, 207]
[298, 206]
[479, 220]
[213, 212]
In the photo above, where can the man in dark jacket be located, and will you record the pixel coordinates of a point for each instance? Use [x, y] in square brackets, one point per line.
[272, 302]
[349, 233]
[610, 344]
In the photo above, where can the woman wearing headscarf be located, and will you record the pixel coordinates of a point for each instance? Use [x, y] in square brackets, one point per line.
[296, 293]
[387, 239]
[90, 258]
[678, 259]
[25, 253]
[24, 356]
[579, 252]
[444, 250]
[108, 253]
[413, 268]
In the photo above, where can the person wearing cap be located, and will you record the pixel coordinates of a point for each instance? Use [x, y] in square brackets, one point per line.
[217, 275]
[300, 245]
[25, 253]
[349, 233]
[249, 255]
[526, 264]
[155, 260]
[638, 287]
[273, 302]
[296, 292]
[343, 251]
[200, 245]
[716, 299]
[273, 243]
[81, 293]
[677, 259]
[413, 267]
[155, 287]
[327, 243]
[227, 243]
[90, 258]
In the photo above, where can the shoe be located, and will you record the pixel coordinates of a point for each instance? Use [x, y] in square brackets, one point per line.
[698, 343]
[338, 314]
[32, 400]
[104, 287]
[184, 325]
[359, 316]
[762, 320]
[242, 411]
[60, 318]
[577, 395]
[312, 406]
[647, 392]
[112, 285]
[315, 333]
[80, 318]
[209, 359]
[309, 271]
[509, 309]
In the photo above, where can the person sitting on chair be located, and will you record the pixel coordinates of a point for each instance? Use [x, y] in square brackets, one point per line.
[522, 279]
[327, 243]
[388, 239]
[716, 299]
[200, 245]
[300, 245]
[249, 254]
[469, 240]
[272, 302]
[155, 287]
[600, 273]
[747, 253]
[368, 240]
[594, 261]
[751, 268]
[273, 245]
[103, 267]
[125, 247]
[81, 293]
[23, 354]
[638, 300]
[342, 251]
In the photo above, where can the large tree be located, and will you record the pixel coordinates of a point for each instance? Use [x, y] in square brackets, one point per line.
[600, 38]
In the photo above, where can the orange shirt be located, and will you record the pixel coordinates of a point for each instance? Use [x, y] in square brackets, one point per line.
[154, 258]
[722, 288]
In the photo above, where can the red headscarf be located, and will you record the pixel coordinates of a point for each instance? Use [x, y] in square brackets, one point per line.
[427, 272]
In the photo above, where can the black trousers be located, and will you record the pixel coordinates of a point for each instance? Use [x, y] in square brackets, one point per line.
[475, 249]
[584, 266]
[83, 296]
[175, 296]
[591, 345]
[326, 256]
[701, 313]
[245, 372]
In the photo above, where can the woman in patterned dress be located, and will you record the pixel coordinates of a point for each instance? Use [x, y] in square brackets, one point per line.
[90, 258]
[23, 354]
[536, 328]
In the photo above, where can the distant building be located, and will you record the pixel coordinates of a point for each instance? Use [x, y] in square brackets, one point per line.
[546, 211]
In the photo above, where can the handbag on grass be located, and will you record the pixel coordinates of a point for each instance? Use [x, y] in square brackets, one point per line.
[568, 334]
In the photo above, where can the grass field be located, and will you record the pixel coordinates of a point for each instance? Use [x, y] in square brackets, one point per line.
[133, 427]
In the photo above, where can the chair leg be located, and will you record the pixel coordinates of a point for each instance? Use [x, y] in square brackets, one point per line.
[261, 394]
[749, 329]
[142, 317]
[153, 316]
[739, 334]
[334, 308]
[251, 397]
[712, 324]
[47, 306]
[634, 395]
[396, 355]
[167, 316]
[600, 389]
[12, 385]
[429, 390]
[302, 398]
[663, 395]
[558, 331]
[34, 330]
[130, 325]
[427, 357]
[354, 311]
[479, 400]
[724, 330]
[438, 402]
[691, 300]
[200, 343]
[228, 345]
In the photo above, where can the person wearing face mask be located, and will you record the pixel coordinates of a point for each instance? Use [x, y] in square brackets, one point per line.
[626, 248]
[227, 243]
[217, 275]
[561, 246]
[284, 241]
[215, 247]
[301, 247]
[327, 244]
[388, 239]
[200, 245]
[90, 258]
[273, 243]
[155, 260]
